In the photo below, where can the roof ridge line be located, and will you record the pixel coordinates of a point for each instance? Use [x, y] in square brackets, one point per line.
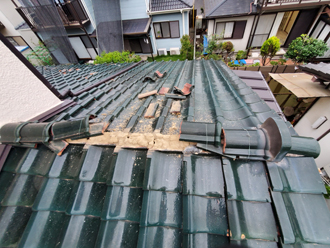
[217, 7]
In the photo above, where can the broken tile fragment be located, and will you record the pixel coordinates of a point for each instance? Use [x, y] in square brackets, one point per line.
[176, 107]
[150, 93]
[151, 111]
[163, 91]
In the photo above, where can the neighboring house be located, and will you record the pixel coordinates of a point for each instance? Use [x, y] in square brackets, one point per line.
[91, 27]
[285, 19]
[135, 184]
[170, 21]
[15, 29]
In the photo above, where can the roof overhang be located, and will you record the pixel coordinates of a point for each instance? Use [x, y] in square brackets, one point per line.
[301, 85]
[136, 26]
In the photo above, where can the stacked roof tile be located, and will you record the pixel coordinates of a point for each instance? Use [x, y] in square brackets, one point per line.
[106, 196]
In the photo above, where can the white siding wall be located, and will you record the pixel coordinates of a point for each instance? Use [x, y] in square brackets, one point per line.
[304, 128]
[239, 44]
[22, 94]
[133, 9]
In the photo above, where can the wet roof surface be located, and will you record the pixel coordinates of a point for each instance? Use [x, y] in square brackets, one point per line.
[102, 196]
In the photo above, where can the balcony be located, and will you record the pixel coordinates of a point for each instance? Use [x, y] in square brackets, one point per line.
[291, 4]
[72, 14]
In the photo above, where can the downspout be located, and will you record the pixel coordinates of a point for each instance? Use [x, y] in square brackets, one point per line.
[183, 29]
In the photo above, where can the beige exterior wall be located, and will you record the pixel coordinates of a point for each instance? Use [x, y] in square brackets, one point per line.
[239, 44]
[22, 94]
[304, 128]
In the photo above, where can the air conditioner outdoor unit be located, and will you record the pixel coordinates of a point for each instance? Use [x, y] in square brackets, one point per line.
[174, 51]
[162, 51]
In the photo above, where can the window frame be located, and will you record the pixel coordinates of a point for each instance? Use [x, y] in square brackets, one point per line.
[232, 34]
[169, 26]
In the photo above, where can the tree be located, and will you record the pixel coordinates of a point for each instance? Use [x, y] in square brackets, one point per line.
[228, 49]
[305, 49]
[269, 49]
[187, 49]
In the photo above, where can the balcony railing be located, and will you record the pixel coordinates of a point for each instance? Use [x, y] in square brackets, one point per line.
[288, 3]
[72, 14]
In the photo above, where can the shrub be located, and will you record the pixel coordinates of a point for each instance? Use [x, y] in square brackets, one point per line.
[282, 61]
[40, 54]
[273, 62]
[255, 64]
[117, 57]
[269, 48]
[213, 44]
[241, 55]
[213, 56]
[187, 48]
[228, 49]
[305, 48]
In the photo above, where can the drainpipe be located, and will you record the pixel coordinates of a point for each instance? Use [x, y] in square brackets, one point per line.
[183, 29]
[316, 19]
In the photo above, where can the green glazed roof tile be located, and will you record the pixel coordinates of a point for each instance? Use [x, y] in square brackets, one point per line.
[81, 232]
[246, 180]
[304, 245]
[16, 154]
[6, 178]
[122, 203]
[87, 198]
[44, 229]
[161, 208]
[159, 237]
[202, 175]
[129, 168]
[54, 195]
[288, 236]
[163, 172]
[204, 215]
[13, 221]
[309, 217]
[37, 162]
[252, 243]
[96, 165]
[117, 234]
[296, 175]
[251, 220]
[206, 240]
[68, 165]
[22, 191]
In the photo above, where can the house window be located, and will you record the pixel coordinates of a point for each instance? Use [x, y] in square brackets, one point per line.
[230, 30]
[12, 41]
[167, 30]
